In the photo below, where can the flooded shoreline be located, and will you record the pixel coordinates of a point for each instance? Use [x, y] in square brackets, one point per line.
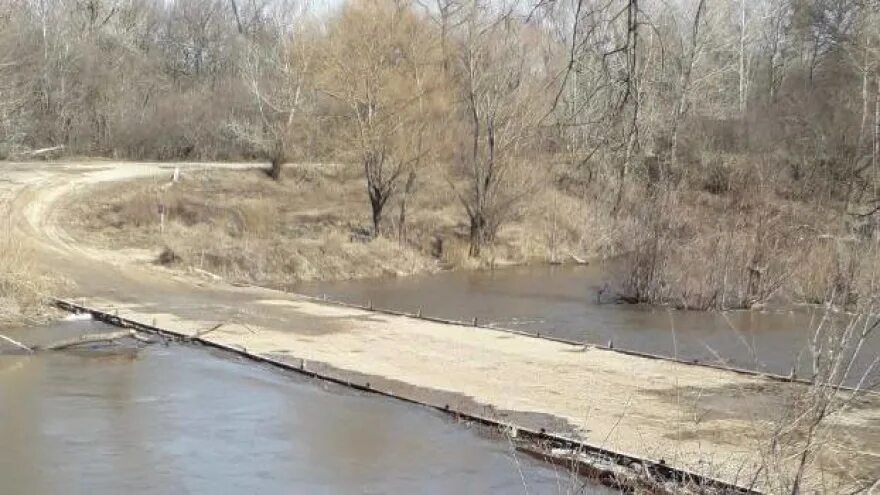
[562, 301]
[181, 419]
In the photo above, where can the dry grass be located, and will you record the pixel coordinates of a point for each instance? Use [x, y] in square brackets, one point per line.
[312, 226]
[739, 246]
[24, 290]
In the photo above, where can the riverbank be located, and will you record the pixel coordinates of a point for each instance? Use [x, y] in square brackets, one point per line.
[691, 249]
[561, 302]
[712, 422]
[24, 288]
[313, 225]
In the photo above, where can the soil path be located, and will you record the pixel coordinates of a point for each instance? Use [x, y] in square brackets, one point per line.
[709, 421]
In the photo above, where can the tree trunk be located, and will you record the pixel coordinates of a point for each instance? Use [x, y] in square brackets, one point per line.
[632, 92]
[279, 156]
[624, 169]
[87, 339]
[275, 169]
[401, 226]
[685, 83]
[742, 58]
[478, 234]
[377, 217]
[377, 205]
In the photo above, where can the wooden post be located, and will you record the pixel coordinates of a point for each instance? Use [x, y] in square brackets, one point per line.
[161, 218]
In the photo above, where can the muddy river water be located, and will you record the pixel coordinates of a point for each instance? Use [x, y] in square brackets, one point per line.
[181, 419]
[562, 301]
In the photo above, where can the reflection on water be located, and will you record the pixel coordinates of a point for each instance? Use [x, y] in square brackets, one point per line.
[561, 301]
[183, 420]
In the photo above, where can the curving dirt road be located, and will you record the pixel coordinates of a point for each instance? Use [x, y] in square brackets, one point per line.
[708, 421]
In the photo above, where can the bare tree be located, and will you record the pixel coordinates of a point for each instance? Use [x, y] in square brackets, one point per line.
[689, 59]
[446, 14]
[13, 103]
[373, 66]
[629, 103]
[279, 72]
[501, 103]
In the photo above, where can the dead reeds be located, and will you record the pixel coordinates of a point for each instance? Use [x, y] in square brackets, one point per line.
[23, 289]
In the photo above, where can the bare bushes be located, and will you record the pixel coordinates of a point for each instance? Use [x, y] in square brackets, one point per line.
[696, 250]
[836, 269]
[741, 263]
[805, 438]
[725, 233]
[551, 225]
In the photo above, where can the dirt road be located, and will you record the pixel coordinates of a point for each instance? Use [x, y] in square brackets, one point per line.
[708, 421]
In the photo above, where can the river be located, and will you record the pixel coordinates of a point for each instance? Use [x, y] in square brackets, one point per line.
[181, 419]
[561, 301]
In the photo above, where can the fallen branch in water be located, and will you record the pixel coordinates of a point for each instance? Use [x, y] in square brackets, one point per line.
[93, 338]
[205, 332]
[141, 338]
[16, 343]
[578, 259]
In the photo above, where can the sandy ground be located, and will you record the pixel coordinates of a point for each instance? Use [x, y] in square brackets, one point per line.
[708, 421]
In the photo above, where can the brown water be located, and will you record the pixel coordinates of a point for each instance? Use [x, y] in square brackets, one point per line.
[561, 301]
[180, 419]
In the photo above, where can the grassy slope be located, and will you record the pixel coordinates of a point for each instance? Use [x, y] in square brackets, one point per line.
[311, 226]
[687, 248]
[23, 289]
